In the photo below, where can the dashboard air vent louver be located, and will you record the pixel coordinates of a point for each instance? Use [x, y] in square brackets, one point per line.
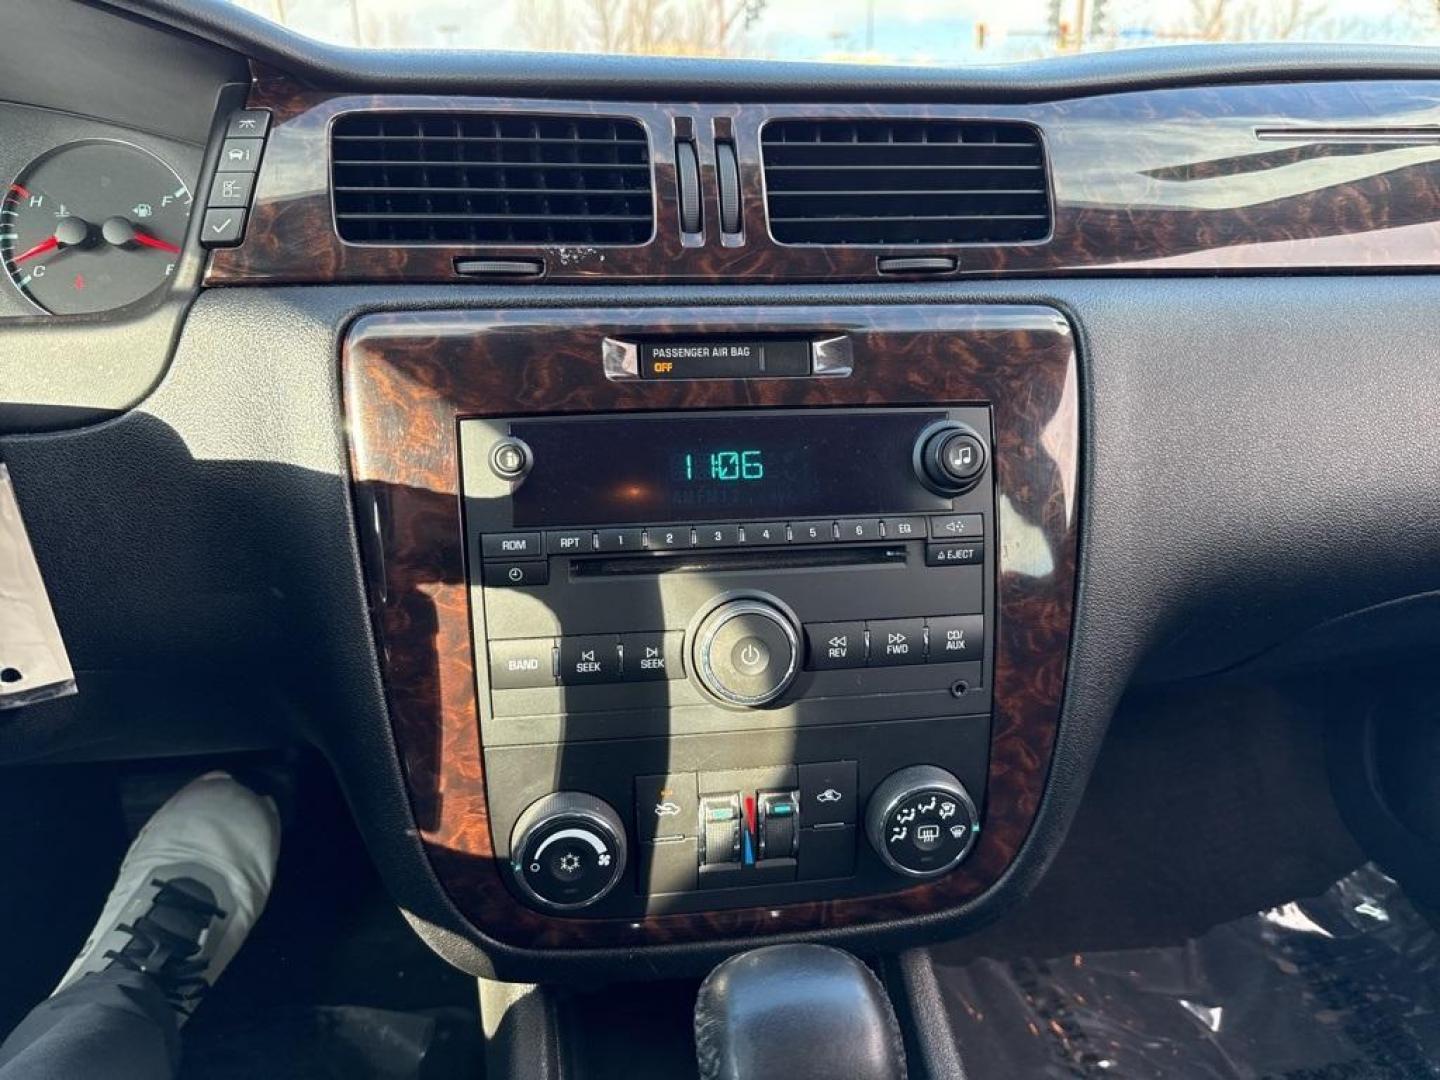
[480, 178]
[873, 181]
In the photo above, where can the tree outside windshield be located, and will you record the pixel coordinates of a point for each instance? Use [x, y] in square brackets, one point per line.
[858, 31]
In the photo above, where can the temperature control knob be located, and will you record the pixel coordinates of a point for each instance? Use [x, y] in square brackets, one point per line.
[745, 651]
[950, 457]
[921, 821]
[567, 850]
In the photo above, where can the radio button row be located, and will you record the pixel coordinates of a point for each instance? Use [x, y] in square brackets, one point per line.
[765, 532]
[522, 664]
[957, 637]
[895, 642]
[835, 645]
[957, 526]
[590, 659]
[516, 574]
[652, 656]
[951, 554]
[570, 542]
[511, 546]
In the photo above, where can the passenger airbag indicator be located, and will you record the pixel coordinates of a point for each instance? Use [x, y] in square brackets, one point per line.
[724, 359]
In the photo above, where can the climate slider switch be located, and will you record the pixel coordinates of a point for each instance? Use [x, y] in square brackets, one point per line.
[778, 824]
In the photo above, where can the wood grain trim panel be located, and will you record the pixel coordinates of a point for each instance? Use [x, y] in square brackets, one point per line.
[409, 378]
[1159, 181]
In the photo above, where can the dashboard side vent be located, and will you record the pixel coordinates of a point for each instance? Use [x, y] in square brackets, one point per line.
[877, 181]
[480, 178]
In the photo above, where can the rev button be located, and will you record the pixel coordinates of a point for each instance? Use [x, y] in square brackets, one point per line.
[835, 645]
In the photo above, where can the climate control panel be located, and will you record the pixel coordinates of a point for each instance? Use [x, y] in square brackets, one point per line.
[741, 829]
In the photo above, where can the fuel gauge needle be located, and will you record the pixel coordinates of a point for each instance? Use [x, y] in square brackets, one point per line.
[39, 249]
[146, 240]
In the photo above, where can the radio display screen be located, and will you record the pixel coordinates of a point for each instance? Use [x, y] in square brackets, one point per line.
[651, 469]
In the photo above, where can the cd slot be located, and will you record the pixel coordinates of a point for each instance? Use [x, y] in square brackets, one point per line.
[700, 562]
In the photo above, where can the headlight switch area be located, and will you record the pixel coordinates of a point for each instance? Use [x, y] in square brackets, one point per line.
[756, 649]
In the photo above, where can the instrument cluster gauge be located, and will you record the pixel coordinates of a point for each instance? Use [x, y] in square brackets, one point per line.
[93, 226]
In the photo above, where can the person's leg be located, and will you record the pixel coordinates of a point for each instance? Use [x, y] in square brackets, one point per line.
[115, 1024]
[189, 890]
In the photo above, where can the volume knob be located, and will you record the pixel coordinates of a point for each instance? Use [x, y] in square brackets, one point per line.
[745, 652]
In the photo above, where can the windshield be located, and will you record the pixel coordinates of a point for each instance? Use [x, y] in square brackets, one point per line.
[936, 32]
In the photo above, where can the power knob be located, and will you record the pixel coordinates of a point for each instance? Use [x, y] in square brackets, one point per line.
[950, 457]
[745, 651]
[567, 851]
[921, 821]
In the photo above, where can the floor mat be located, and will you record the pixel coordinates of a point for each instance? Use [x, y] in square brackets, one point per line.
[1342, 986]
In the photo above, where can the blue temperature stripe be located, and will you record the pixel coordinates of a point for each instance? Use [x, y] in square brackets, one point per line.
[747, 850]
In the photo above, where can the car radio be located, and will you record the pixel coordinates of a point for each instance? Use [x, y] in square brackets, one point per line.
[716, 649]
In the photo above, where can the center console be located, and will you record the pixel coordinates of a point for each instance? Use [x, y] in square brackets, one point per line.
[717, 623]
[693, 582]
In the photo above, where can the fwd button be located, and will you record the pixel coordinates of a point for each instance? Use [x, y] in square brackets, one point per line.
[897, 641]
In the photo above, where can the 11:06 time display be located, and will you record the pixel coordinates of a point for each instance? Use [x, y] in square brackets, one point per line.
[726, 466]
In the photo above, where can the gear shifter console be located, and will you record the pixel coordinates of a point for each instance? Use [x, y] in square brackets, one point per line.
[796, 1012]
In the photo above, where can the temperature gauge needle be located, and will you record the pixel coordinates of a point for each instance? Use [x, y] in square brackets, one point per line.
[145, 240]
[39, 249]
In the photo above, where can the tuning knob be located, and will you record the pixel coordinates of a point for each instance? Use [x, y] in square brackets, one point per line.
[921, 821]
[567, 850]
[950, 457]
[745, 652]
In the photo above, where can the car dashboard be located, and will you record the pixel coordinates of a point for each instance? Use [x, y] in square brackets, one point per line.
[692, 504]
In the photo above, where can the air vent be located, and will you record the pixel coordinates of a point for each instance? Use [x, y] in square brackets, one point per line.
[477, 178]
[904, 182]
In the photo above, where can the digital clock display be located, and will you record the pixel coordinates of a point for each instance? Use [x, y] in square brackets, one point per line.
[722, 466]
